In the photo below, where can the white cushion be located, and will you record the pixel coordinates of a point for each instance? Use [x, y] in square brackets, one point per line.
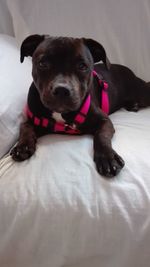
[15, 79]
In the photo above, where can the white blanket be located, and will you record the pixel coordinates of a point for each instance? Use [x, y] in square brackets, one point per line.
[56, 211]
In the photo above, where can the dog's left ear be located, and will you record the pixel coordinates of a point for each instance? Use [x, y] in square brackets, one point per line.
[97, 51]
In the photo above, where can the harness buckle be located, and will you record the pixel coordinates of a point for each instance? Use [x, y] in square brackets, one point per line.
[69, 127]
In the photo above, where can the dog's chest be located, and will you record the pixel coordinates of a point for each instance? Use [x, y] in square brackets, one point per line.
[60, 120]
[58, 117]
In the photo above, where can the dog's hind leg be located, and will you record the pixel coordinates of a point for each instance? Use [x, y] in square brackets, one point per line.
[143, 93]
[139, 95]
[131, 106]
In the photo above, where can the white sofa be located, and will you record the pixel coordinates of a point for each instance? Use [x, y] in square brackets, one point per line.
[55, 209]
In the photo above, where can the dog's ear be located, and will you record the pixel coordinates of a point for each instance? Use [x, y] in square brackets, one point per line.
[30, 44]
[98, 52]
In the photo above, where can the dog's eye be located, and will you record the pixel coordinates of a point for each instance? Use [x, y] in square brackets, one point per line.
[82, 66]
[43, 65]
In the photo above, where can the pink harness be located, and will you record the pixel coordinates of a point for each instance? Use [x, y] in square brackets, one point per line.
[79, 119]
[105, 99]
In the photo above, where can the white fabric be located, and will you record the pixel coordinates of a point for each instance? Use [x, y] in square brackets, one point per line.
[122, 26]
[15, 79]
[56, 211]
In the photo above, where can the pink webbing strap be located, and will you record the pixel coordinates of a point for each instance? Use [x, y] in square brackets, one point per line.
[94, 73]
[58, 126]
[64, 128]
[105, 99]
[37, 121]
[81, 116]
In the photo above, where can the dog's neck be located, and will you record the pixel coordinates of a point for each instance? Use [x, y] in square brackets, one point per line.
[69, 117]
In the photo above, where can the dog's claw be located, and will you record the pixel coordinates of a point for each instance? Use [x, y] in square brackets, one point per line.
[108, 164]
[22, 151]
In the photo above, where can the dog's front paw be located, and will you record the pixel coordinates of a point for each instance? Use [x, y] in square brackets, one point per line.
[23, 151]
[108, 163]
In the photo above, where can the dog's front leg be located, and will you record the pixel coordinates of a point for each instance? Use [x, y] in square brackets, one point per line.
[25, 147]
[108, 162]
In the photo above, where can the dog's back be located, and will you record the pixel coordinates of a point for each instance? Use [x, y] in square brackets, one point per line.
[125, 88]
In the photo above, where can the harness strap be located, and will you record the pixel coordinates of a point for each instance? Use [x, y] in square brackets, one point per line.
[79, 119]
[58, 126]
[37, 121]
[81, 116]
[105, 99]
[63, 127]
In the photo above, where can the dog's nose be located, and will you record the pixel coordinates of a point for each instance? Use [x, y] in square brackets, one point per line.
[61, 91]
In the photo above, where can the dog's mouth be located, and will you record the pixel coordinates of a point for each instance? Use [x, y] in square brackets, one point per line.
[62, 98]
[65, 105]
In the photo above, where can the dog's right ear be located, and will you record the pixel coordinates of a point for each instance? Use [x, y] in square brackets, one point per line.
[30, 44]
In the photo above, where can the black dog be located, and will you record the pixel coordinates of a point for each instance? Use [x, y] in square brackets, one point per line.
[66, 90]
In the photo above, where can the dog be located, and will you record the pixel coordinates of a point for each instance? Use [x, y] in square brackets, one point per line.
[73, 93]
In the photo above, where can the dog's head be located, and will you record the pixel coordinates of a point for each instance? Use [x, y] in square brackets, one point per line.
[62, 68]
